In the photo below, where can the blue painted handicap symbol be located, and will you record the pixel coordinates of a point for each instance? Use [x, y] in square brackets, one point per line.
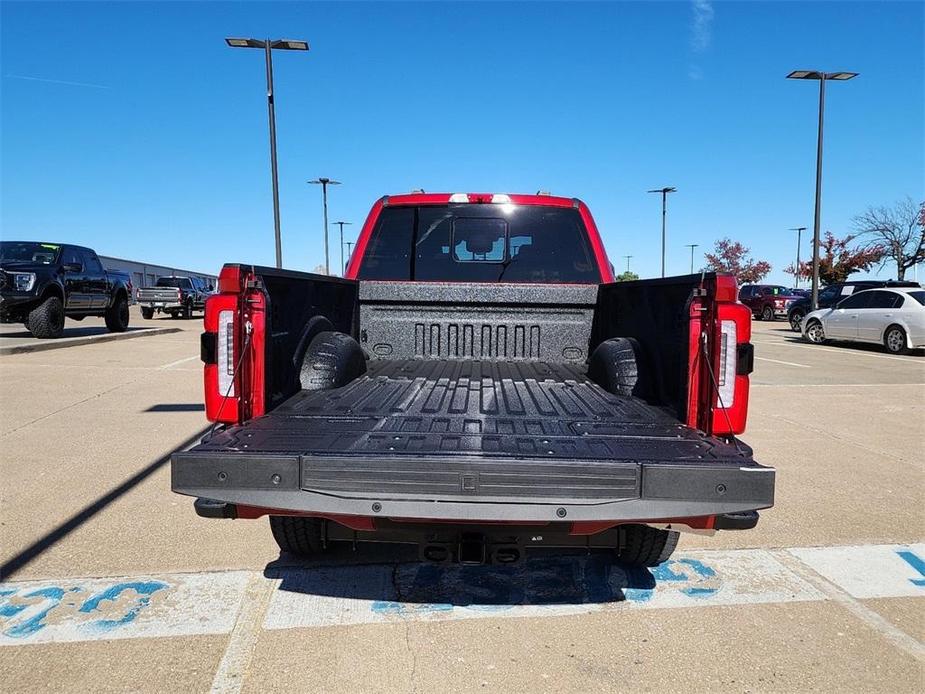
[916, 562]
[698, 579]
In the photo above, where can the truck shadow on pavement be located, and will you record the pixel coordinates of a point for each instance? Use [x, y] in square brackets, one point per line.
[554, 578]
[68, 332]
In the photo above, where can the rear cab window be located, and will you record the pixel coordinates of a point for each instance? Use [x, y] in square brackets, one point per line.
[176, 282]
[480, 243]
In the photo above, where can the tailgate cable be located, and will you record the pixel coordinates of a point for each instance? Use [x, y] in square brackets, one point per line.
[248, 329]
[719, 397]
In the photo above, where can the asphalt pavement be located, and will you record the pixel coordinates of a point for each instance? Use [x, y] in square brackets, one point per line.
[112, 583]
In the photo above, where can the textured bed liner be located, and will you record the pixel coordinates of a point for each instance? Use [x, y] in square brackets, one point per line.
[473, 408]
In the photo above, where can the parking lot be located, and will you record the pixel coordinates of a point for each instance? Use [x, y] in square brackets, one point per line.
[103, 565]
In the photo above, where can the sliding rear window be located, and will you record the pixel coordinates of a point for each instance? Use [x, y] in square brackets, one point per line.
[480, 243]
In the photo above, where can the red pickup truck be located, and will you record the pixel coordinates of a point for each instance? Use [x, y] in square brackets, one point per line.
[477, 385]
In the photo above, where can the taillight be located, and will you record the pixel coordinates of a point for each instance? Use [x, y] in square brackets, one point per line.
[730, 408]
[225, 353]
[220, 349]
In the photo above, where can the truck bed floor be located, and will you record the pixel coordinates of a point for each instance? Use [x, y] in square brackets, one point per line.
[464, 431]
[473, 408]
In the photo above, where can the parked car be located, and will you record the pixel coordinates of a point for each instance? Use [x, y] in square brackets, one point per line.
[892, 317]
[41, 283]
[833, 293]
[478, 385]
[767, 301]
[174, 295]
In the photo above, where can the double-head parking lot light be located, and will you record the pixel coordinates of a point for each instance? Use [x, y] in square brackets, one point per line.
[823, 77]
[268, 46]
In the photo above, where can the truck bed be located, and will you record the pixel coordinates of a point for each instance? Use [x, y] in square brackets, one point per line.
[459, 439]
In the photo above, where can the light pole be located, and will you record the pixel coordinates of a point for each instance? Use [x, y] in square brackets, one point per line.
[796, 271]
[349, 244]
[692, 246]
[324, 183]
[823, 77]
[268, 45]
[341, 225]
[664, 192]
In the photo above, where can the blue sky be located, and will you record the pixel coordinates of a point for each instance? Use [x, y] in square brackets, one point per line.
[132, 128]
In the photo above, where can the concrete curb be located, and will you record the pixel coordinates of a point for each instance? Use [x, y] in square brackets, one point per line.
[61, 343]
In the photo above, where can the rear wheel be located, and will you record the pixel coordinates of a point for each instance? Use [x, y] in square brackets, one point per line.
[767, 313]
[47, 319]
[894, 339]
[646, 546]
[796, 320]
[297, 535]
[815, 333]
[147, 313]
[117, 316]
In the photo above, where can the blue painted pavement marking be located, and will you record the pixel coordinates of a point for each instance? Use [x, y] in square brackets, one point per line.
[550, 586]
[869, 571]
[315, 596]
[88, 609]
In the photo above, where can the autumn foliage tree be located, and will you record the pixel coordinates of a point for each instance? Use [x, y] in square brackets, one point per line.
[732, 257]
[837, 260]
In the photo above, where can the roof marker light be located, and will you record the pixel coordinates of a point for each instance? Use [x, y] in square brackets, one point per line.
[459, 197]
[501, 198]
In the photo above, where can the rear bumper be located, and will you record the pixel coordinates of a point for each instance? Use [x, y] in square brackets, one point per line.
[651, 492]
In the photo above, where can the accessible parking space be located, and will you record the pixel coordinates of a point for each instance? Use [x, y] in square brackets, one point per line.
[103, 564]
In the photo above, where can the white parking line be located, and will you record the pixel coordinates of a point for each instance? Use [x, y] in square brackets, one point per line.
[785, 363]
[847, 350]
[834, 385]
[306, 597]
[178, 362]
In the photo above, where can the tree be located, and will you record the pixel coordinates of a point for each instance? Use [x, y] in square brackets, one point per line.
[627, 276]
[898, 230]
[319, 270]
[732, 257]
[837, 260]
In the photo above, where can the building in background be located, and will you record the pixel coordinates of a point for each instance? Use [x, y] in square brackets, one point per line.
[146, 274]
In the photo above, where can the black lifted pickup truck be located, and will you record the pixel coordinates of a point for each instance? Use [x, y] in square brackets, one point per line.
[477, 385]
[41, 283]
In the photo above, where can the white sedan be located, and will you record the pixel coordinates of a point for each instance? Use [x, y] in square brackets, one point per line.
[894, 318]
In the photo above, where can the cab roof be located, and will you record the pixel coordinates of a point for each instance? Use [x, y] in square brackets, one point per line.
[462, 198]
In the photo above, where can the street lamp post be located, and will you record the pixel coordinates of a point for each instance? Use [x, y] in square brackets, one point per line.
[324, 183]
[627, 262]
[664, 192]
[796, 271]
[341, 225]
[692, 246]
[823, 77]
[268, 45]
[349, 245]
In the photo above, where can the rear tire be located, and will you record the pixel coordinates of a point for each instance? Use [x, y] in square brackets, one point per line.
[297, 535]
[894, 339]
[767, 313]
[796, 320]
[646, 546]
[117, 316]
[147, 313]
[46, 321]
